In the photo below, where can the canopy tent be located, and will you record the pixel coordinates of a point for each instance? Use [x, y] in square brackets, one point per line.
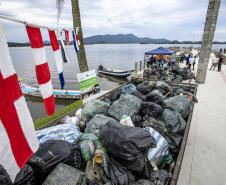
[160, 51]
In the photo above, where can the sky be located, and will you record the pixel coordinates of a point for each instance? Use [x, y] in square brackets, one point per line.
[171, 19]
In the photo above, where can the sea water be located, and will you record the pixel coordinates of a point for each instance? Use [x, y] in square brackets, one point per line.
[116, 56]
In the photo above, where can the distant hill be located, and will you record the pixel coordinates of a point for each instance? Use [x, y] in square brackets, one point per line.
[132, 39]
[122, 38]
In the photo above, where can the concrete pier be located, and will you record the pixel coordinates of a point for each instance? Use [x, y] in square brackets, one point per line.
[204, 161]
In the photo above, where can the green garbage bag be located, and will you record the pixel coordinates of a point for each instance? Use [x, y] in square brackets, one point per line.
[88, 143]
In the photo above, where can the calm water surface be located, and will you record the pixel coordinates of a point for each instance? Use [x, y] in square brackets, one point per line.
[118, 56]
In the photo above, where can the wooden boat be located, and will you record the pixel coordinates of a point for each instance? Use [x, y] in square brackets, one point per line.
[114, 72]
[59, 94]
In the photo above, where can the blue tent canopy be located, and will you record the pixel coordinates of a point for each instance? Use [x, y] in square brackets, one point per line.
[160, 51]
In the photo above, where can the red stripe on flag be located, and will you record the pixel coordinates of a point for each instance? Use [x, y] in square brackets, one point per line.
[66, 36]
[10, 92]
[50, 105]
[53, 39]
[35, 37]
[42, 73]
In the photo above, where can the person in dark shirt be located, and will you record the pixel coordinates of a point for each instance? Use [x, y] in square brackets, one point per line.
[221, 60]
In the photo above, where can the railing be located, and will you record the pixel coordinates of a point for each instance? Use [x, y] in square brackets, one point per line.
[139, 66]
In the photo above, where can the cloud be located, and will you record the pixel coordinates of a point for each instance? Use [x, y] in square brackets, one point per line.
[172, 19]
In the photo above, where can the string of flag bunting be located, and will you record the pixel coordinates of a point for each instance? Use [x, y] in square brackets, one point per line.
[41, 64]
[18, 140]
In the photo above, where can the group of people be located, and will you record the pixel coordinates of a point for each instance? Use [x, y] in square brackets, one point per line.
[217, 60]
[160, 62]
[189, 59]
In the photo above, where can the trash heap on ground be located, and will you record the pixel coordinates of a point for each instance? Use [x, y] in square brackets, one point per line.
[173, 73]
[133, 137]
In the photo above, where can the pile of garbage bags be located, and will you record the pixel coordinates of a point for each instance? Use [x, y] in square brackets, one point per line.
[173, 73]
[132, 137]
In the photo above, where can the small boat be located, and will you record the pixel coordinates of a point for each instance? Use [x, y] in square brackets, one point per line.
[114, 72]
[59, 94]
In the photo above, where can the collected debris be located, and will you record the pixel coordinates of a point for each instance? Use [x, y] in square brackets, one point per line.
[93, 125]
[131, 137]
[67, 132]
[94, 107]
[64, 174]
[156, 155]
[181, 104]
[127, 145]
[127, 104]
[173, 73]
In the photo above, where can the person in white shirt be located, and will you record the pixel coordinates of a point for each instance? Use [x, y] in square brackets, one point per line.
[215, 61]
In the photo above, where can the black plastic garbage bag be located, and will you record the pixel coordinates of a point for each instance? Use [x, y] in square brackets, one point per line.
[143, 182]
[94, 107]
[51, 153]
[138, 94]
[89, 182]
[4, 177]
[180, 104]
[119, 174]
[127, 104]
[137, 120]
[151, 74]
[145, 173]
[136, 80]
[183, 92]
[178, 78]
[145, 87]
[26, 177]
[156, 91]
[163, 72]
[93, 125]
[179, 71]
[155, 96]
[190, 76]
[173, 120]
[160, 177]
[129, 89]
[163, 87]
[174, 140]
[127, 145]
[65, 175]
[151, 109]
[115, 95]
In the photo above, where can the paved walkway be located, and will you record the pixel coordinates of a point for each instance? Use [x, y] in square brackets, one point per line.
[204, 160]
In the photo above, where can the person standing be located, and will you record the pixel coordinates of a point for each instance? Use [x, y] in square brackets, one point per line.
[189, 62]
[182, 56]
[193, 62]
[187, 58]
[215, 61]
[221, 60]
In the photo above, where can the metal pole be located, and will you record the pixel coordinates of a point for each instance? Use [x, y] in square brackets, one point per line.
[135, 68]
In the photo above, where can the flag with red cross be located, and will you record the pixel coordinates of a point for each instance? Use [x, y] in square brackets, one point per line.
[18, 140]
